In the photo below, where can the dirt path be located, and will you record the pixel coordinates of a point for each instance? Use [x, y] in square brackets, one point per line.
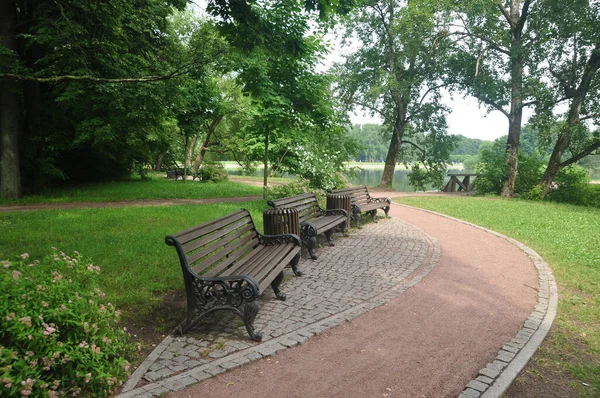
[430, 342]
[123, 203]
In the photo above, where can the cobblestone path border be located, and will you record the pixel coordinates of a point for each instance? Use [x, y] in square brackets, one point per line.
[379, 263]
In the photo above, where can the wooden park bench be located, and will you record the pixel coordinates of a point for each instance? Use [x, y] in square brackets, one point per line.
[175, 173]
[227, 264]
[362, 202]
[313, 219]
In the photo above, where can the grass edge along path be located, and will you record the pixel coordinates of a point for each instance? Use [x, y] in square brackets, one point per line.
[568, 237]
[156, 186]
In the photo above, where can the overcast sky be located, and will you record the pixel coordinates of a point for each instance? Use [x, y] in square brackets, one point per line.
[466, 119]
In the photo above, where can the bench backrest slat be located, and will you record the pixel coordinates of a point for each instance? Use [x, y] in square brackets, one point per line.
[217, 242]
[220, 261]
[195, 244]
[306, 204]
[357, 195]
[192, 233]
[212, 247]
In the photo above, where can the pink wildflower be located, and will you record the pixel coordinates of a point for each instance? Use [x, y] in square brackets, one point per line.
[25, 256]
[25, 321]
[49, 330]
[16, 274]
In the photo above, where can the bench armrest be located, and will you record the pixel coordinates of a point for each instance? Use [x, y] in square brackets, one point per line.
[335, 212]
[281, 238]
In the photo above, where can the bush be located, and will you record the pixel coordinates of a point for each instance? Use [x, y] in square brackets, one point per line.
[492, 168]
[295, 187]
[57, 336]
[573, 186]
[214, 172]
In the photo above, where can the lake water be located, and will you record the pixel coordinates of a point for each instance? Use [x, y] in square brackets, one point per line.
[372, 177]
[368, 177]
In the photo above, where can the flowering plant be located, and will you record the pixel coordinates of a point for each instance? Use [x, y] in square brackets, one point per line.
[57, 335]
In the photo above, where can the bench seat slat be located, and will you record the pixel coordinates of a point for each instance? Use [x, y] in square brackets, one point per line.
[232, 242]
[227, 258]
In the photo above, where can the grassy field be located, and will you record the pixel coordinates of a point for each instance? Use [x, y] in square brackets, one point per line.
[568, 237]
[126, 242]
[156, 186]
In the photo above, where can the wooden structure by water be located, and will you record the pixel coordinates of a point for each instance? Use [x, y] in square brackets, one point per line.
[455, 184]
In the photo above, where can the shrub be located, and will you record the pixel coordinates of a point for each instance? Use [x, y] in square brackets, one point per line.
[295, 187]
[573, 186]
[214, 172]
[57, 336]
[492, 168]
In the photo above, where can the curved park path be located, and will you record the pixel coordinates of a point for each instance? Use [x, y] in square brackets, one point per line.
[468, 309]
[431, 341]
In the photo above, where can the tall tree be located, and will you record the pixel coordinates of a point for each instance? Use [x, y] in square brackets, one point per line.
[573, 66]
[278, 64]
[499, 64]
[68, 113]
[397, 73]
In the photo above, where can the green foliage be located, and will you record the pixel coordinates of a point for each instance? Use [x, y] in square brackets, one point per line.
[492, 167]
[128, 243]
[573, 186]
[397, 73]
[58, 335]
[296, 187]
[467, 146]
[372, 145]
[214, 172]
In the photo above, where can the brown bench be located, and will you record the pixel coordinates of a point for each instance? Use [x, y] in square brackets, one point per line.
[227, 264]
[313, 219]
[362, 202]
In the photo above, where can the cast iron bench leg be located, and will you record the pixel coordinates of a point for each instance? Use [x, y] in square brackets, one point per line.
[295, 262]
[275, 285]
[248, 315]
[373, 215]
[329, 236]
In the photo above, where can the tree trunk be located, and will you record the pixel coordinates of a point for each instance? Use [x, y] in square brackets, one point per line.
[394, 149]
[210, 129]
[390, 161]
[516, 101]
[188, 161]
[562, 144]
[159, 160]
[202, 151]
[266, 166]
[11, 124]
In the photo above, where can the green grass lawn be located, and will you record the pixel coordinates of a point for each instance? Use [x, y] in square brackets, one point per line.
[126, 242]
[156, 186]
[568, 237]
